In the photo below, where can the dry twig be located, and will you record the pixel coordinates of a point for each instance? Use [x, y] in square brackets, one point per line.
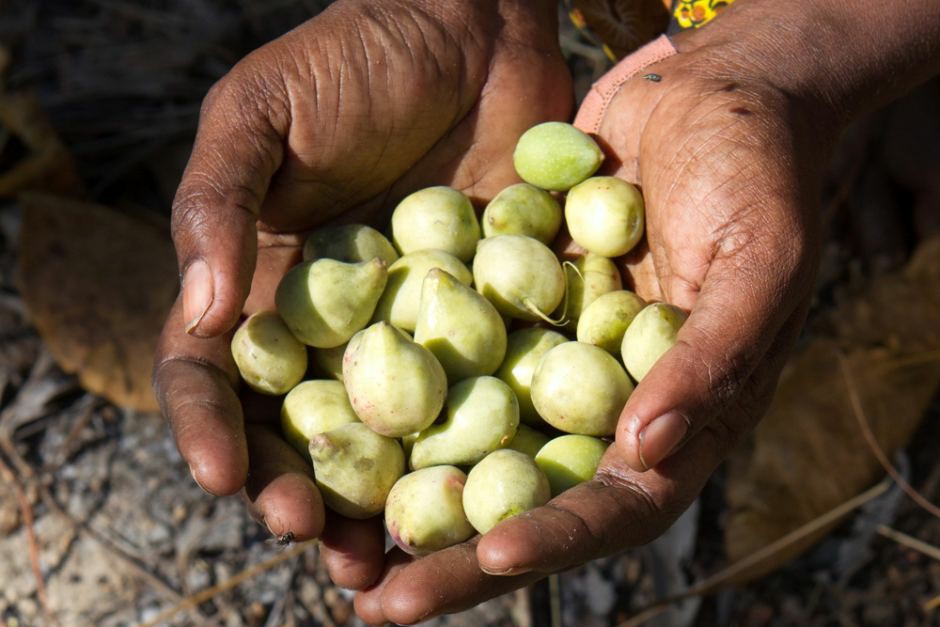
[202, 596]
[910, 542]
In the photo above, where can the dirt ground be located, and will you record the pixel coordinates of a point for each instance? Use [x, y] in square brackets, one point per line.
[124, 536]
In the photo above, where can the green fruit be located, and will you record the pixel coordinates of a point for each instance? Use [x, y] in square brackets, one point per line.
[269, 358]
[524, 350]
[505, 484]
[605, 215]
[324, 302]
[461, 328]
[521, 276]
[556, 156]
[313, 407]
[424, 511]
[580, 388]
[587, 277]
[652, 332]
[436, 218]
[523, 209]
[355, 469]
[351, 243]
[329, 361]
[604, 321]
[569, 460]
[482, 415]
[401, 300]
[527, 440]
[396, 386]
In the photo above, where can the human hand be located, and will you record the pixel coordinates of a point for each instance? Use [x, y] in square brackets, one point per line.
[340, 117]
[730, 165]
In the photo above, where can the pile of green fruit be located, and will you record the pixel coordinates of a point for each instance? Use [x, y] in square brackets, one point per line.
[428, 408]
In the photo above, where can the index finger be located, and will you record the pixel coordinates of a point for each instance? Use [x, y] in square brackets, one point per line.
[194, 380]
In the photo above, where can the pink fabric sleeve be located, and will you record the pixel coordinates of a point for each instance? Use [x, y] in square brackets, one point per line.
[602, 92]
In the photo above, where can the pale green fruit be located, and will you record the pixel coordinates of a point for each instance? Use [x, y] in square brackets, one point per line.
[355, 469]
[569, 460]
[461, 328]
[556, 156]
[408, 442]
[482, 415]
[524, 350]
[521, 276]
[523, 209]
[351, 243]
[424, 511]
[505, 484]
[438, 218]
[590, 277]
[313, 407]
[329, 361]
[604, 321]
[399, 304]
[605, 215]
[580, 388]
[324, 302]
[268, 356]
[395, 385]
[652, 332]
[528, 440]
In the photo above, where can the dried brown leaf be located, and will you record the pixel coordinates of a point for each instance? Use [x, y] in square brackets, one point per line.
[624, 25]
[809, 454]
[98, 284]
[37, 159]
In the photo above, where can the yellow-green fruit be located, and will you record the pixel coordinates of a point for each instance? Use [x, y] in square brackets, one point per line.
[408, 442]
[524, 350]
[523, 209]
[351, 243]
[395, 385]
[324, 302]
[580, 388]
[590, 277]
[424, 511]
[329, 361]
[605, 215]
[569, 460]
[520, 275]
[482, 415]
[399, 304]
[313, 407]
[528, 440]
[505, 484]
[461, 328]
[652, 332]
[604, 321]
[436, 218]
[556, 156]
[355, 469]
[268, 356]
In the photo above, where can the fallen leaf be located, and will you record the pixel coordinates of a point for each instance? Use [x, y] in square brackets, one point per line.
[809, 454]
[32, 156]
[624, 25]
[98, 284]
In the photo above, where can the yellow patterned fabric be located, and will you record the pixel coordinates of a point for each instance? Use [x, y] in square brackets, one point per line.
[696, 13]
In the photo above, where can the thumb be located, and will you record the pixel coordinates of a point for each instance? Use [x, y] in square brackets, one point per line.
[740, 319]
[238, 147]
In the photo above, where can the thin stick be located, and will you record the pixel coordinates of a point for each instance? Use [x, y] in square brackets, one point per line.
[932, 604]
[876, 450]
[719, 579]
[202, 596]
[910, 542]
[26, 511]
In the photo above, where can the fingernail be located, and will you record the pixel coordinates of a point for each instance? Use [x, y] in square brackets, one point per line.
[197, 293]
[660, 437]
[193, 473]
[506, 572]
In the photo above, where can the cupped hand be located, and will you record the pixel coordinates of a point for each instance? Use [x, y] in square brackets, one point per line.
[336, 119]
[729, 165]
